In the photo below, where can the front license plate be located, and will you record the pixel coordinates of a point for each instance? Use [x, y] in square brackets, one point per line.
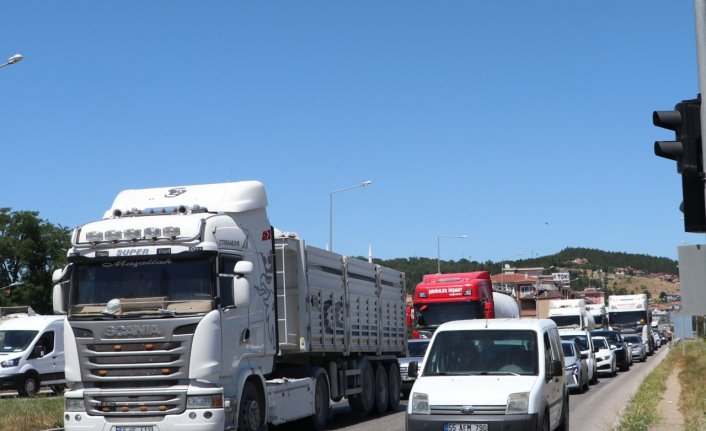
[465, 427]
[149, 428]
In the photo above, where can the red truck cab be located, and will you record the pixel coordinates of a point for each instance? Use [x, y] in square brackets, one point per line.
[441, 298]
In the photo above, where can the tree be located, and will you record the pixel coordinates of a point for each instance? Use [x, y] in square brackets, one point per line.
[30, 250]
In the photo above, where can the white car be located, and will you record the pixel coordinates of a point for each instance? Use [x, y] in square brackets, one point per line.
[606, 362]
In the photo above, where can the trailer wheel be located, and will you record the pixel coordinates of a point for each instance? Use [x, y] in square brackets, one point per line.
[394, 384]
[382, 397]
[365, 400]
[251, 414]
[28, 385]
[317, 421]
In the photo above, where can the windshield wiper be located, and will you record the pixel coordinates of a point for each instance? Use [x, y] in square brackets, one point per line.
[167, 311]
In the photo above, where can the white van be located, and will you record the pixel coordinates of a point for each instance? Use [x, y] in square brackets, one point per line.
[491, 374]
[32, 354]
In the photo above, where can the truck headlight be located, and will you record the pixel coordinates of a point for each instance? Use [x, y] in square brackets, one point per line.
[517, 404]
[204, 401]
[74, 405]
[10, 363]
[420, 404]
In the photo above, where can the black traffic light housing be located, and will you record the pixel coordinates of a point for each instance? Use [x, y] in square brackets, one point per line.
[685, 121]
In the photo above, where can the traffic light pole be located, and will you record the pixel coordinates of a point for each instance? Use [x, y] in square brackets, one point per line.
[700, 25]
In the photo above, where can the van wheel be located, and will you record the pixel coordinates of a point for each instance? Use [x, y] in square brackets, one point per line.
[394, 383]
[28, 385]
[58, 389]
[382, 397]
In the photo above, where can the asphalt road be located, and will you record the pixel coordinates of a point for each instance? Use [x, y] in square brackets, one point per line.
[597, 409]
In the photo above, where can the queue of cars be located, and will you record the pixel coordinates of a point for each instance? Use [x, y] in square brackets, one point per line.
[526, 367]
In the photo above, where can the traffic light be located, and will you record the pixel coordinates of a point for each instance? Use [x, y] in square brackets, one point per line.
[685, 121]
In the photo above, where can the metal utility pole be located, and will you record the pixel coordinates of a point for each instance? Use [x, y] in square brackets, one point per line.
[700, 24]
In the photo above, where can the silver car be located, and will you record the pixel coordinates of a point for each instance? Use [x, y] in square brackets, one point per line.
[575, 367]
[637, 346]
[415, 352]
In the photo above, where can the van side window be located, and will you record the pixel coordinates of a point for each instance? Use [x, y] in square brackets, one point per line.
[547, 355]
[226, 265]
[557, 350]
[43, 346]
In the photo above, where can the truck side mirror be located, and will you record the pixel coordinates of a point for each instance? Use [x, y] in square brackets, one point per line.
[241, 285]
[58, 298]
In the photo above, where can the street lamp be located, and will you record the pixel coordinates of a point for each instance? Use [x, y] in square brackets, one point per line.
[330, 210]
[438, 249]
[12, 60]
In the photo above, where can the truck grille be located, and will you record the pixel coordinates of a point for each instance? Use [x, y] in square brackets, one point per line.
[122, 374]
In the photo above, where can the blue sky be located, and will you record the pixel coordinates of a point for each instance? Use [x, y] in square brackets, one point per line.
[525, 125]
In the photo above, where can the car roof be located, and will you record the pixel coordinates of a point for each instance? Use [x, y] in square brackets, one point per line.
[29, 323]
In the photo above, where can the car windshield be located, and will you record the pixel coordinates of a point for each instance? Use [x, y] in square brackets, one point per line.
[165, 286]
[16, 341]
[417, 348]
[568, 349]
[600, 343]
[612, 336]
[581, 340]
[484, 352]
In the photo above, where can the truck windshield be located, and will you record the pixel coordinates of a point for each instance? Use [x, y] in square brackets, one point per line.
[483, 352]
[627, 318]
[433, 315]
[165, 286]
[15, 341]
[574, 320]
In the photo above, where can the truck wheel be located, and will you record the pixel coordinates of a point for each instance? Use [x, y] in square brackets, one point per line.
[317, 421]
[28, 385]
[394, 384]
[251, 414]
[382, 396]
[365, 400]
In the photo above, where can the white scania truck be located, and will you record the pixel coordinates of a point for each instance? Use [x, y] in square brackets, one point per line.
[630, 314]
[187, 310]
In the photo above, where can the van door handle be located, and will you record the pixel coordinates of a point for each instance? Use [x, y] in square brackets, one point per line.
[54, 357]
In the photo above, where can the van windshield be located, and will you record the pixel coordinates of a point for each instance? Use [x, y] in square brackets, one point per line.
[483, 352]
[15, 341]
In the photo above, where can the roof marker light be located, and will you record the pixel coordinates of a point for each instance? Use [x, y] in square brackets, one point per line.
[94, 236]
[153, 232]
[171, 231]
[132, 234]
[113, 235]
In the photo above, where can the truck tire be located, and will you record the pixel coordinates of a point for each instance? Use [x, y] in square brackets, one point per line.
[394, 384]
[251, 413]
[317, 421]
[58, 390]
[365, 400]
[382, 395]
[28, 385]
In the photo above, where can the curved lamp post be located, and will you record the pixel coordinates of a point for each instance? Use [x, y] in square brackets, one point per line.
[12, 60]
[330, 209]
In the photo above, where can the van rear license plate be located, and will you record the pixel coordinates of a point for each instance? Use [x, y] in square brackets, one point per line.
[149, 428]
[465, 427]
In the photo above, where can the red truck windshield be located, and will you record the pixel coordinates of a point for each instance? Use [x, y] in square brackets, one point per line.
[434, 314]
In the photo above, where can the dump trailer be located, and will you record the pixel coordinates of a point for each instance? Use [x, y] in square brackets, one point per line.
[186, 309]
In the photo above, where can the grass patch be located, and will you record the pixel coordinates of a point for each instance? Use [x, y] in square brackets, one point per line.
[692, 379]
[641, 412]
[31, 414]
